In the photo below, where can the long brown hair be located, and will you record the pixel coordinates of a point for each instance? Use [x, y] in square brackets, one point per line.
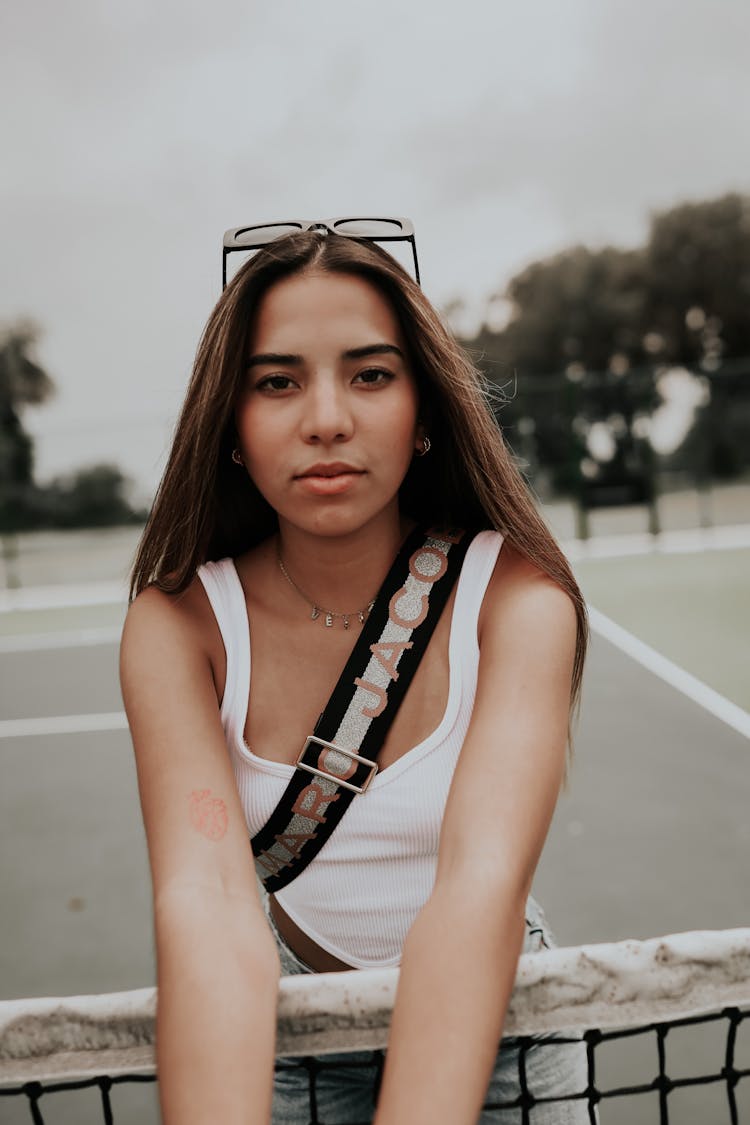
[207, 507]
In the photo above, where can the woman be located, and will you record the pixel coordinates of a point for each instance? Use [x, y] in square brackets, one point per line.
[329, 412]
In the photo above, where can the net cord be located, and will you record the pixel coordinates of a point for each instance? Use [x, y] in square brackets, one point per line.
[621, 985]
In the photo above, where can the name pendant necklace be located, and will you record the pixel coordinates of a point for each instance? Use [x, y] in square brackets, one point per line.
[316, 610]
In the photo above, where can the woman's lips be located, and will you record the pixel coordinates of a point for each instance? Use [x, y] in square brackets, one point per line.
[330, 484]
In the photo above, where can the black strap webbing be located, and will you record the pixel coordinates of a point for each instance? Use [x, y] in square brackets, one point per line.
[338, 760]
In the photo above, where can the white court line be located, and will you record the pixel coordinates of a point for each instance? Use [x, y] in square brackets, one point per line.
[718, 705]
[731, 537]
[63, 596]
[74, 638]
[63, 724]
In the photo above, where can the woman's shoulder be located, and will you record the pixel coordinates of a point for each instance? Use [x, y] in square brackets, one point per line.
[170, 618]
[525, 602]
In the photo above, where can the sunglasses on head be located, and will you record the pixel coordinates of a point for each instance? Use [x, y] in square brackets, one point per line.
[247, 238]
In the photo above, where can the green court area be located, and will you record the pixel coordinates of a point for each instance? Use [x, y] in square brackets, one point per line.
[692, 608]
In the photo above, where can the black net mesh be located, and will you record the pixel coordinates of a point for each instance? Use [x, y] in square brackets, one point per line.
[691, 1071]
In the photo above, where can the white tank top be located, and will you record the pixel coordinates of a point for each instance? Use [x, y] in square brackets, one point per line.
[358, 898]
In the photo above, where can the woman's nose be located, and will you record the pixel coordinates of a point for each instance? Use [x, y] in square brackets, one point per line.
[327, 416]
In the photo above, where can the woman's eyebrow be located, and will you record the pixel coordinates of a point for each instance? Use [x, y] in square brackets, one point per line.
[282, 360]
[373, 349]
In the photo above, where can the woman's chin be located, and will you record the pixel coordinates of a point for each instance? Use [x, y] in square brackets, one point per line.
[335, 520]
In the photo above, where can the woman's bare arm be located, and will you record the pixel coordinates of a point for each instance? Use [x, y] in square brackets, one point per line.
[217, 964]
[460, 956]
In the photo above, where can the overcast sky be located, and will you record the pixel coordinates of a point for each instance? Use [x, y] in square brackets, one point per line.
[136, 133]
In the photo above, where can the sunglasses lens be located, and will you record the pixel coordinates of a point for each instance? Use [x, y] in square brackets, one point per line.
[259, 236]
[369, 228]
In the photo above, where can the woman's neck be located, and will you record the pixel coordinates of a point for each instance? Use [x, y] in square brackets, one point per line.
[341, 573]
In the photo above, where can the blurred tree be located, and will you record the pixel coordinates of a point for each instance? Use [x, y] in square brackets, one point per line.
[22, 382]
[90, 497]
[683, 298]
[579, 307]
[611, 321]
[698, 273]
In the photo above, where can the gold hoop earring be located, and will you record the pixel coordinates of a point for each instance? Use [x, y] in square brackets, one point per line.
[237, 457]
[426, 447]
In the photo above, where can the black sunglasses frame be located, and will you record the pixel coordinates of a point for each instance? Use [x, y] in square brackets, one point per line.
[241, 238]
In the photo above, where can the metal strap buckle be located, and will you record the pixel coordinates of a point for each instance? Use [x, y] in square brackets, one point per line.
[373, 766]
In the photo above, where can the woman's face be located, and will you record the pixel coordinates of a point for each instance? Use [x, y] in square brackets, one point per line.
[327, 413]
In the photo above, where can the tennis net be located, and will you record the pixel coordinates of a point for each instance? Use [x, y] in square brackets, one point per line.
[666, 1026]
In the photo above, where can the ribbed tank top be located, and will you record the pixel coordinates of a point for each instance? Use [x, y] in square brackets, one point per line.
[361, 893]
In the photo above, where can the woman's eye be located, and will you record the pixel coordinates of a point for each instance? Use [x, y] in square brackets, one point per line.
[373, 375]
[274, 383]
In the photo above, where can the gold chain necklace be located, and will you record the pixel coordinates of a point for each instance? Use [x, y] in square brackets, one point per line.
[317, 610]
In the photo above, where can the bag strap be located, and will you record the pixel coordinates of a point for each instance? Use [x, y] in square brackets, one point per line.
[338, 760]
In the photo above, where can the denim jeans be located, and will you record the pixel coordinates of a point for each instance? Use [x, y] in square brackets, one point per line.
[341, 1089]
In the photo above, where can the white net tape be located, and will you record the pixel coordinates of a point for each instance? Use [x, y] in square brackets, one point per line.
[618, 985]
